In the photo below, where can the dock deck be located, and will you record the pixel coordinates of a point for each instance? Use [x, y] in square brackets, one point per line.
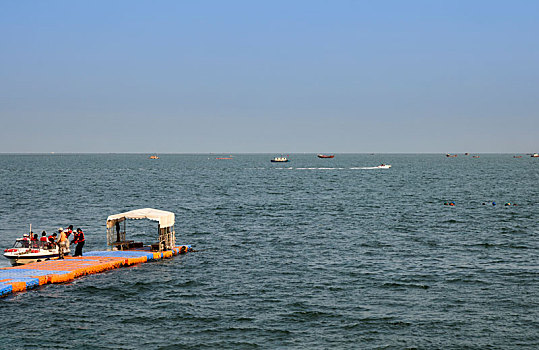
[20, 278]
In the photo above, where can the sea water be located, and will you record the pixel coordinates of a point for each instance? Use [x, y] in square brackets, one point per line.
[311, 254]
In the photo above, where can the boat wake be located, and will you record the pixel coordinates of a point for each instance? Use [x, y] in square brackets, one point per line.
[367, 168]
[352, 168]
[320, 168]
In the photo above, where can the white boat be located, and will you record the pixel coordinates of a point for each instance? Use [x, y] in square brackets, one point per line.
[384, 166]
[279, 160]
[535, 155]
[25, 251]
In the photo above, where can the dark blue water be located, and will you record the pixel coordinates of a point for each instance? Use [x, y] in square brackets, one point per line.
[291, 255]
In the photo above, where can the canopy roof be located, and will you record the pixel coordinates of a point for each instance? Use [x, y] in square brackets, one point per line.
[165, 218]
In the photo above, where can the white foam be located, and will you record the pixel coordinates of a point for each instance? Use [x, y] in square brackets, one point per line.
[367, 168]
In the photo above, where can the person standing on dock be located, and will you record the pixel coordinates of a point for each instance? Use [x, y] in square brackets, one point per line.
[79, 240]
[118, 239]
[68, 231]
[62, 243]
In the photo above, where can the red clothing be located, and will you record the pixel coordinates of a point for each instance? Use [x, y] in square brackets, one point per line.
[79, 237]
[44, 239]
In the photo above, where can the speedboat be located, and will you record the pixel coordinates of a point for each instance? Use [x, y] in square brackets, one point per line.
[326, 156]
[25, 251]
[535, 155]
[279, 160]
[383, 166]
[449, 155]
[154, 157]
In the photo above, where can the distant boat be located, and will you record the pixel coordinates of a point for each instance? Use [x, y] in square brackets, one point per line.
[517, 156]
[279, 160]
[475, 156]
[154, 157]
[326, 156]
[535, 155]
[384, 166]
[466, 154]
[224, 158]
[451, 155]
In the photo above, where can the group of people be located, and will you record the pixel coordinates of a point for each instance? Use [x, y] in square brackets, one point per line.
[60, 239]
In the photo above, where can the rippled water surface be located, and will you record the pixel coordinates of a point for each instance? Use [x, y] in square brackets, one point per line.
[314, 253]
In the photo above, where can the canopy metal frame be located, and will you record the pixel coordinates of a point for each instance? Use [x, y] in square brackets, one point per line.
[117, 228]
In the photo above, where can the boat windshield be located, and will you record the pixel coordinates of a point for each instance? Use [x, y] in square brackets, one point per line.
[21, 244]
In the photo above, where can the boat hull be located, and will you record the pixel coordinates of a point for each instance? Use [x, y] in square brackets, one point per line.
[21, 257]
[325, 156]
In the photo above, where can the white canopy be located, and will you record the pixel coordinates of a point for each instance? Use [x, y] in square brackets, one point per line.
[165, 218]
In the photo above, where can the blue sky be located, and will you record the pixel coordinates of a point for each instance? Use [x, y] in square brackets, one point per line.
[269, 76]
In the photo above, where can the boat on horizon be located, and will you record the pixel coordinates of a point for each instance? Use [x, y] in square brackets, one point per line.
[154, 157]
[326, 155]
[279, 160]
[449, 155]
[535, 155]
[383, 166]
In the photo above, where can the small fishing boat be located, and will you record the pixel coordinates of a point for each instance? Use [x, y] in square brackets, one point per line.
[449, 155]
[224, 158]
[475, 156]
[279, 160]
[326, 156]
[535, 155]
[384, 166]
[154, 157]
[25, 251]
[517, 156]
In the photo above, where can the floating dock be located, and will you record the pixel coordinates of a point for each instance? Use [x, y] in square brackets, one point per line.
[21, 278]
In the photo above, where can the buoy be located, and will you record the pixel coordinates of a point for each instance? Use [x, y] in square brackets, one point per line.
[493, 203]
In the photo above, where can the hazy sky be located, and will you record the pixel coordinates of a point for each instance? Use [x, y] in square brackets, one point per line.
[269, 76]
